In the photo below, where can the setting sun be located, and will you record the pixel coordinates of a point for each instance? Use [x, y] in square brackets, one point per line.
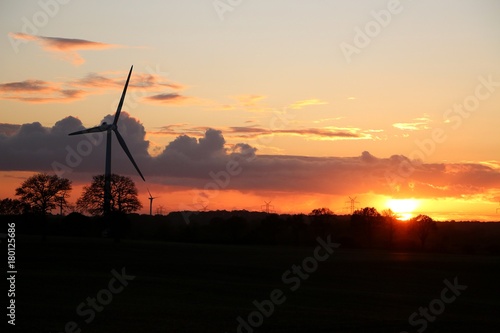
[403, 207]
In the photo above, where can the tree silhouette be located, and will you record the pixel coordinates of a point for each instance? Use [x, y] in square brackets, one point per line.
[123, 196]
[321, 218]
[321, 211]
[42, 192]
[364, 221]
[390, 219]
[423, 225]
[13, 207]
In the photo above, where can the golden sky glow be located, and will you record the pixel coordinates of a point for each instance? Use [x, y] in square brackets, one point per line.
[316, 101]
[403, 208]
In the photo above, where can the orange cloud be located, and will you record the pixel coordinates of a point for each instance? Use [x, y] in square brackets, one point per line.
[252, 102]
[143, 81]
[253, 132]
[67, 47]
[417, 124]
[63, 96]
[38, 91]
[306, 102]
[249, 100]
[327, 133]
[26, 85]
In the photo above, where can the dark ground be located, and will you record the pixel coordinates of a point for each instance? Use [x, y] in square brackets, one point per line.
[204, 288]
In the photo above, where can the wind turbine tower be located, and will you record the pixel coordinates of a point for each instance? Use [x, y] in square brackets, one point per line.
[151, 198]
[109, 128]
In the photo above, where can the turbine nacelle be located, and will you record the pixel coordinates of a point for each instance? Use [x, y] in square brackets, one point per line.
[106, 127]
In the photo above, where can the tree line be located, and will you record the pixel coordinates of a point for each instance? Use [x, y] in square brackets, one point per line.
[41, 194]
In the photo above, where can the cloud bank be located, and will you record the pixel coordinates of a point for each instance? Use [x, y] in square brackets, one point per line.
[200, 163]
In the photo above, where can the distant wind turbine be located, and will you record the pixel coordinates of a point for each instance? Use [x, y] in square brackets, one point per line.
[105, 127]
[151, 198]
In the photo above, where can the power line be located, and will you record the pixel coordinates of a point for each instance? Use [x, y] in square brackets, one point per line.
[159, 210]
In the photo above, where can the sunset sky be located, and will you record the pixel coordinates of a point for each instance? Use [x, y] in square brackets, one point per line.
[233, 103]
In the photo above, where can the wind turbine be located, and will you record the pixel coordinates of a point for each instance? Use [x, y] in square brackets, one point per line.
[108, 128]
[151, 198]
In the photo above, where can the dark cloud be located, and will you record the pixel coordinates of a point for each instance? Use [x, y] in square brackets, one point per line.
[26, 86]
[38, 148]
[95, 80]
[8, 129]
[167, 98]
[317, 133]
[200, 162]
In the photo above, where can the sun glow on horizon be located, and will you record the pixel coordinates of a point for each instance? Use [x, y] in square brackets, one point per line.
[404, 208]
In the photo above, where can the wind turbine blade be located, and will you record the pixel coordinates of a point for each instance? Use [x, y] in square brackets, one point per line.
[89, 130]
[124, 146]
[149, 193]
[119, 109]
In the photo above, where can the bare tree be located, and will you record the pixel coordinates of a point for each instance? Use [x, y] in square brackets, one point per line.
[42, 192]
[123, 196]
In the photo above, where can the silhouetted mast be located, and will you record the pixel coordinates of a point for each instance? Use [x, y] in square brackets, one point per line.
[151, 198]
[268, 208]
[352, 204]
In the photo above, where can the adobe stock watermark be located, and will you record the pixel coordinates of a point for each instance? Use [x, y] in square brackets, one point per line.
[373, 28]
[454, 117]
[221, 179]
[223, 6]
[292, 278]
[437, 306]
[31, 26]
[87, 310]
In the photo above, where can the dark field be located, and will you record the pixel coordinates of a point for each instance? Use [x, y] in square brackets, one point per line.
[205, 288]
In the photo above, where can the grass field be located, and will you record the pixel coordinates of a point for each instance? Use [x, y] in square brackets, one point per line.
[205, 288]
